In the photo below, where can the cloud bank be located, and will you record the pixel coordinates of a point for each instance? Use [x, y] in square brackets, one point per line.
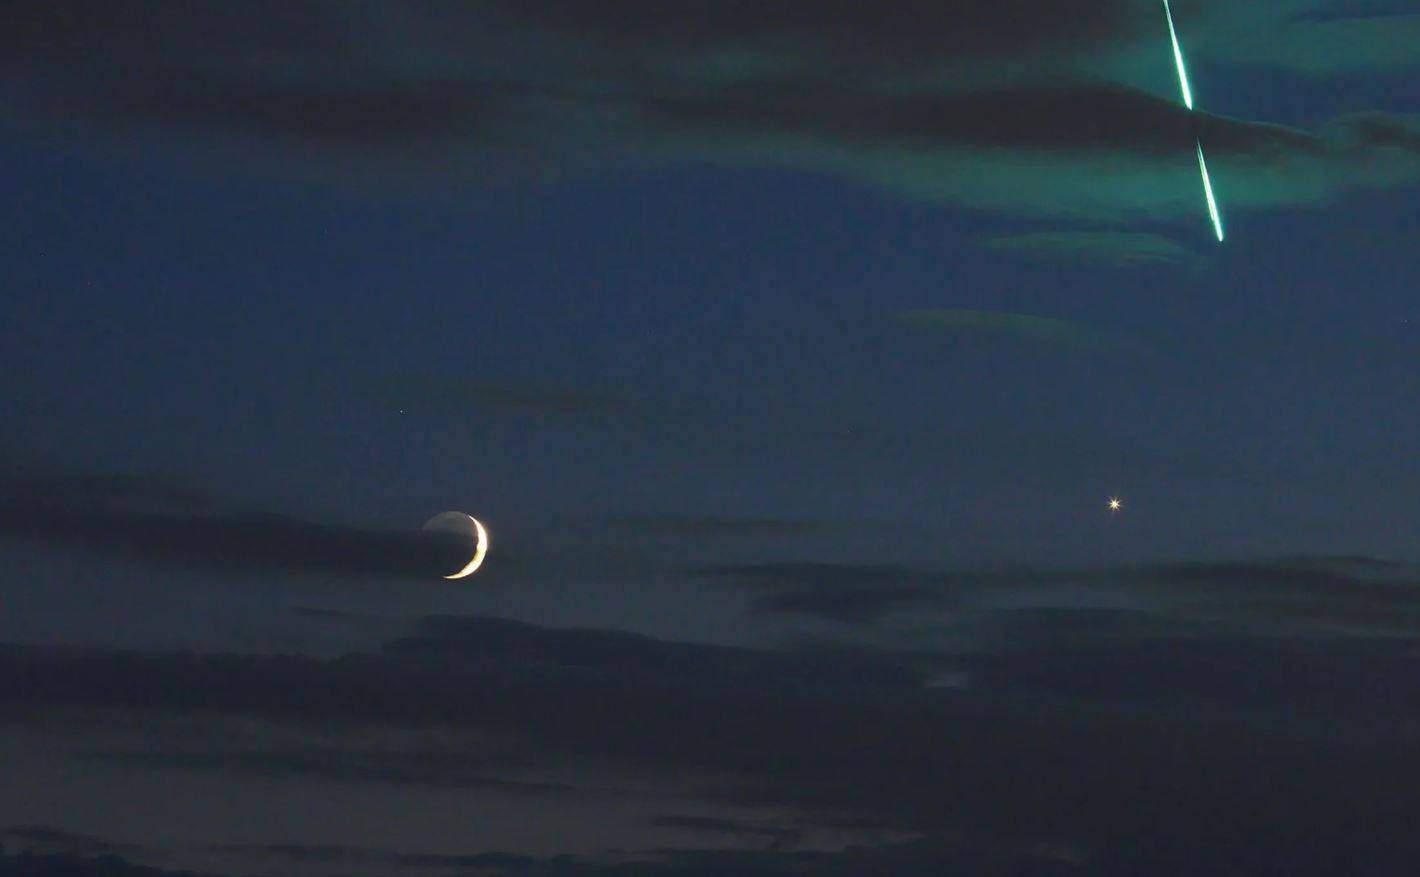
[1106, 754]
[1022, 107]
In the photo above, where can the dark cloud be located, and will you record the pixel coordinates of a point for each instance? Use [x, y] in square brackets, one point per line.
[307, 853]
[28, 863]
[387, 116]
[934, 29]
[130, 517]
[1011, 773]
[1313, 855]
[773, 575]
[1101, 153]
[1358, 679]
[1068, 121]
[1101, 746]
[48, 839]
[776, 836]
[1021, 106]
[450, 396]
[327, 854]
[846, 593]
[422, 769]
[487, 645]
[1337, 593]
[1332, 595]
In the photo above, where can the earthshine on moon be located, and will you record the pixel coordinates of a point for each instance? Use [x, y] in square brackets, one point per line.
[464, 525]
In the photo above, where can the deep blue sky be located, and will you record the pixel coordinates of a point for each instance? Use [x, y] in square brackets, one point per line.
[260, 338]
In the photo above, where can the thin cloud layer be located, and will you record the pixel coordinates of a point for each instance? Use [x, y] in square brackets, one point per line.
[1115, 249]
[1332, 596]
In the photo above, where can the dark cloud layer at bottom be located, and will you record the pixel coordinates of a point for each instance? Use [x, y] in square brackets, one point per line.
[1031, 759]
[1179, 856]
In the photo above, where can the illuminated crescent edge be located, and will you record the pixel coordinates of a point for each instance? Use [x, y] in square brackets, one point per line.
[478, 553]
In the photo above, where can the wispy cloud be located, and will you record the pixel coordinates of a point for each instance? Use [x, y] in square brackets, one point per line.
[1294, 596]
[1112, 248]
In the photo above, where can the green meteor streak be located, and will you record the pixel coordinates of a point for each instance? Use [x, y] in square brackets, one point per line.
[1208, 192]
[1197, 142]
[1178, 59]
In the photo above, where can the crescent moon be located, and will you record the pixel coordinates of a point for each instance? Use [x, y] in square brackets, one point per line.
[458, 521]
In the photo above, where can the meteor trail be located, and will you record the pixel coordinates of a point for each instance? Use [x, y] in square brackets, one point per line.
[1208, 192]
[1197, 141]
[1178, 59]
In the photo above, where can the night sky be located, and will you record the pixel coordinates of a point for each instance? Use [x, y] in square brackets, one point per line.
[791, 353]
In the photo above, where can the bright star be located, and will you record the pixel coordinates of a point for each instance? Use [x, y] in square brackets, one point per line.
[1114, 504]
